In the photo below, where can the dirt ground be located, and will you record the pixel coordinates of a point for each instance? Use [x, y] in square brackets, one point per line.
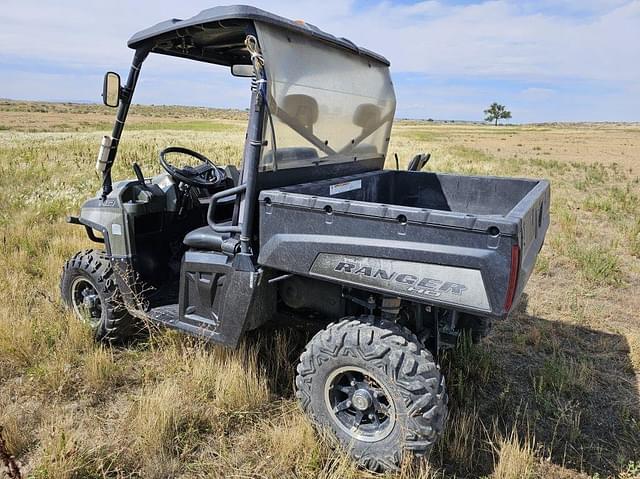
[606, 143]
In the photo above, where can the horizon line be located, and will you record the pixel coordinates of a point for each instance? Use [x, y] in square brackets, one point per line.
[396, 118]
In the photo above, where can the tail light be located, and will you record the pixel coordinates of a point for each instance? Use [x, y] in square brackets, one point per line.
[513, 277]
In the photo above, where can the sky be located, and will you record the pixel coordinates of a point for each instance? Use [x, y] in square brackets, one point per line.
[562, 60]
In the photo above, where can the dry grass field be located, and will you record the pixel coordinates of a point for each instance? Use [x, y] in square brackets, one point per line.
[552, 392]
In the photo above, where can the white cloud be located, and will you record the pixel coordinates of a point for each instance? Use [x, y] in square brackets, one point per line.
[496, 38]
[594, 42]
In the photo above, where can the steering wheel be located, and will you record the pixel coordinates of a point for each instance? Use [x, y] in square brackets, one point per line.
[205, 175]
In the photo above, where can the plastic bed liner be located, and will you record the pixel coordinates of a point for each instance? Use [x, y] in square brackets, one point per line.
[471, 202]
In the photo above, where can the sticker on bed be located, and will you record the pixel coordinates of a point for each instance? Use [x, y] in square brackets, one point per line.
[344, 187]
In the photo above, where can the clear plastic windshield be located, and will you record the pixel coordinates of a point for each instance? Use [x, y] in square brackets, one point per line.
[326, 104]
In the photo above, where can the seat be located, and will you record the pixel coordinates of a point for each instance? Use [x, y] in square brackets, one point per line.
[418, 162]
[206, 239]
[233, 173]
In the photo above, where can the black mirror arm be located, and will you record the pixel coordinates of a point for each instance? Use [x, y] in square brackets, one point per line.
[127, 92]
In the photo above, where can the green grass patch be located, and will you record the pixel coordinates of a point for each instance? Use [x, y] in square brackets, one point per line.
[633, 237]
[566, 218]
[562, 376]
[595, 174]
[500, 130]
[542, 264]
[471, 154]
[597, 264]
[551, 166]
[469, 368]
[195, 125]
[419, 135]
[615, 203]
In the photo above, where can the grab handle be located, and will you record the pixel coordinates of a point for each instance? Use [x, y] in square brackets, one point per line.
[212, 210]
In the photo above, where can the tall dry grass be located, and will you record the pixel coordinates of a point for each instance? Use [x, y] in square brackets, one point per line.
[172, 406]
[515, 459]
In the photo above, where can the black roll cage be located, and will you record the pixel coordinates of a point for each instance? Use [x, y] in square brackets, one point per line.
[251, 180]
[246, 191]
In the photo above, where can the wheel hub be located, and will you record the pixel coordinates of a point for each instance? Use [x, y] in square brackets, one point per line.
[362, 399]
[86, 301]
[359, 404]
[89, 301]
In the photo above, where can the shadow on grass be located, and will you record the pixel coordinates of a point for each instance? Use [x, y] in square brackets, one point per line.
[570, 387]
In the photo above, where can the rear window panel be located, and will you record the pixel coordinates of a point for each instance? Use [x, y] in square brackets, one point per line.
[327, 104]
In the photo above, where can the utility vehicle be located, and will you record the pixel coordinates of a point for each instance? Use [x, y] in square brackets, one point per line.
[393, 266]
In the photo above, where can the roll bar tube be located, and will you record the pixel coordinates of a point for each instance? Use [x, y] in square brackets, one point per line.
[246, 192]
[126, 94]
[253, 145]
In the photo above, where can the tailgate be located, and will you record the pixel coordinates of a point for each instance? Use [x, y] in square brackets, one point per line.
[532, 213]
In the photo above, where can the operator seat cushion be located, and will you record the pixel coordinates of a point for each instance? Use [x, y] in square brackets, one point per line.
[232, 172]
[205, 238]
[303, 108]
[368, 116]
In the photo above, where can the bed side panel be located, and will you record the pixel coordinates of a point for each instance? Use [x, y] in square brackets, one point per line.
[293, 240]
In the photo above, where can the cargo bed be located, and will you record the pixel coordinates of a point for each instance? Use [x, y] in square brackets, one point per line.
[431, 230]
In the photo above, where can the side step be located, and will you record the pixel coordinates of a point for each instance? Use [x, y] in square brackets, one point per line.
[169, 315]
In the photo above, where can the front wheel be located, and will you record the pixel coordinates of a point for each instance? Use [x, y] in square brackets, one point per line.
[375, 387]
[89, 288]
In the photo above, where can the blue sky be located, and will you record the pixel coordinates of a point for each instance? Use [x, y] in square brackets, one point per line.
[562, 60]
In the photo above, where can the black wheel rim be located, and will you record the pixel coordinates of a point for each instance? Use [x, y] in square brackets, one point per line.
[359, 404]
[86, 301]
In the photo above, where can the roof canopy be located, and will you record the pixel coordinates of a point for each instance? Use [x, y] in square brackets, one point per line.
[216, 35]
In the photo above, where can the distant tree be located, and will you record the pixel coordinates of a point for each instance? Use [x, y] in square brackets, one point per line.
[496, 112]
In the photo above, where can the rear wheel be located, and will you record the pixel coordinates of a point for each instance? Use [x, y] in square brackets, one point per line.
[89, 288]
[375, 387]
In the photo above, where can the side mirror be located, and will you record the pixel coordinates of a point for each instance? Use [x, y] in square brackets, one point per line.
[242, 70]
[111, 89]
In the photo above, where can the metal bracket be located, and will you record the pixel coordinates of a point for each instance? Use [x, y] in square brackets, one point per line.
[370, 304]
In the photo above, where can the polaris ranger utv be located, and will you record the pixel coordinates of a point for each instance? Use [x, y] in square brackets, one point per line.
[393, 265]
